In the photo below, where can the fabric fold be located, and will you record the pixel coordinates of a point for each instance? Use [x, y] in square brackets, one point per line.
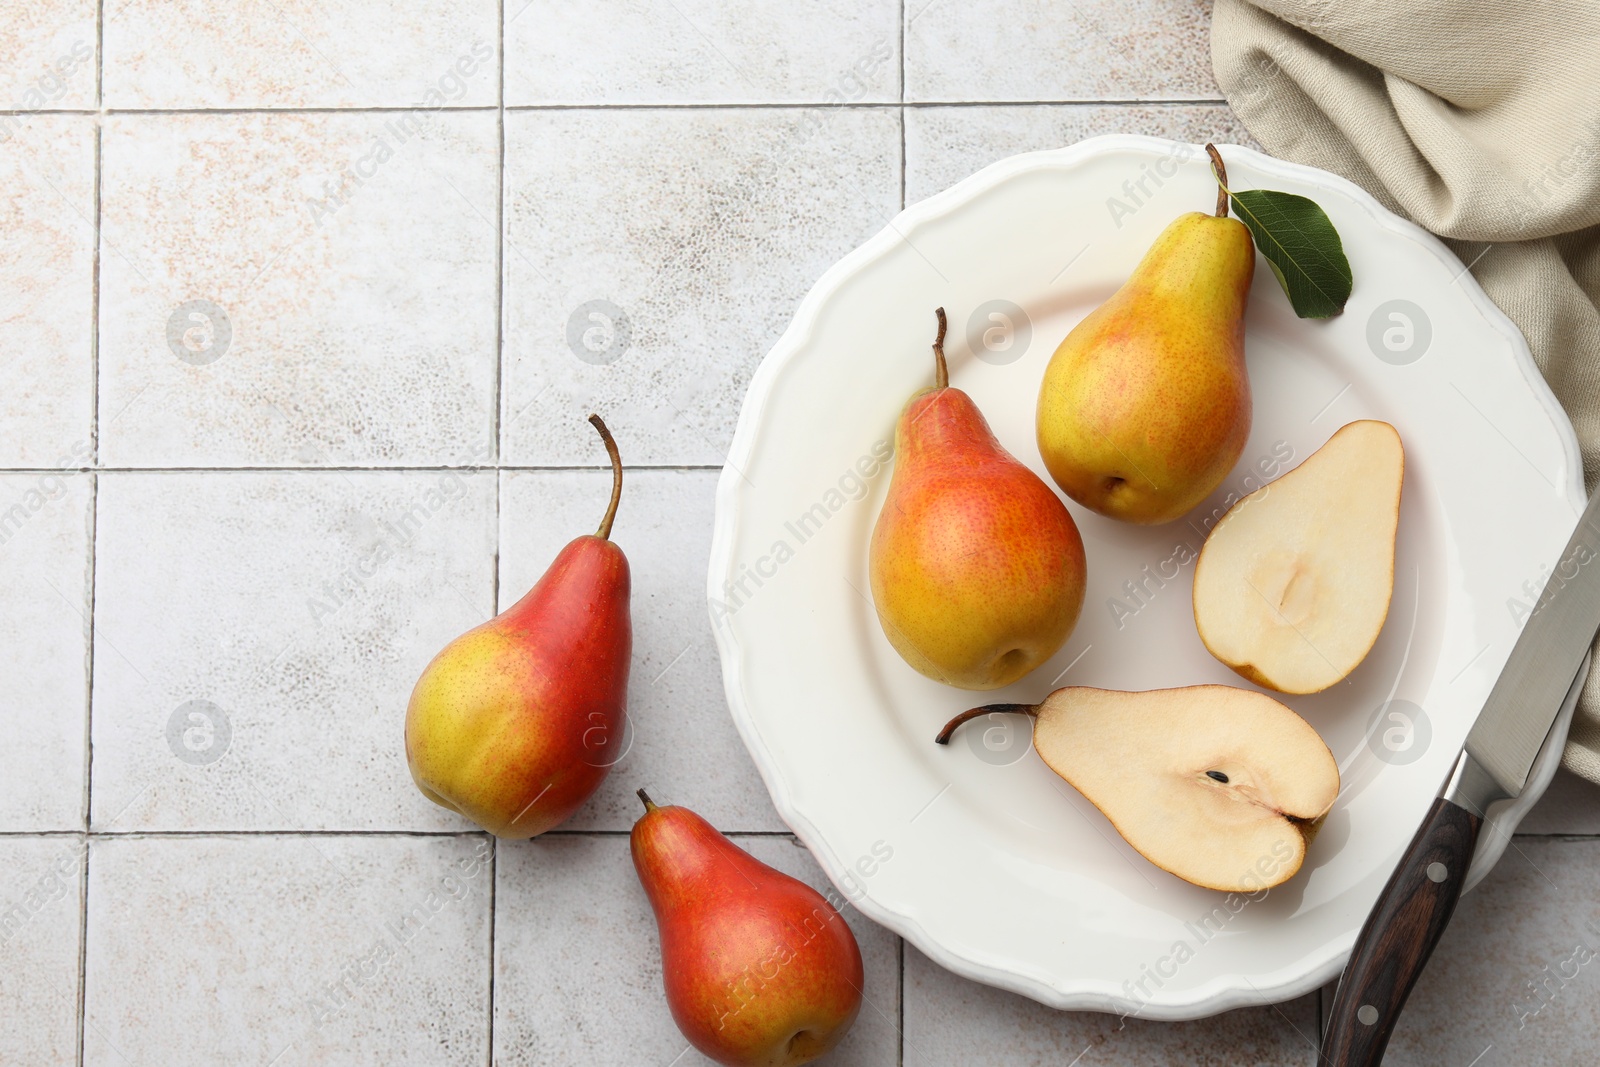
[1479, 121]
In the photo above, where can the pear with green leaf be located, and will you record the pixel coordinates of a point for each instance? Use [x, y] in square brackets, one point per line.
[1145, 406]
[977, 567]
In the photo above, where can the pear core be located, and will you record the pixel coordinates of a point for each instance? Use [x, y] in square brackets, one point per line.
[1217, 785]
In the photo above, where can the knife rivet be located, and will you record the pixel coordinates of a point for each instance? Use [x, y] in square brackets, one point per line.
[1367, 1014]
[1437, 872]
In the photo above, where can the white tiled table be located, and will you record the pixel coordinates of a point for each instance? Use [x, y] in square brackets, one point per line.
[399, 226]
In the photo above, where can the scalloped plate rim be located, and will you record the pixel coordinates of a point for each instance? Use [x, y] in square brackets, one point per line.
[1315, 968]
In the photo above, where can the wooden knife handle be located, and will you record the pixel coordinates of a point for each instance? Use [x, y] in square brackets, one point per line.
[1399, 936]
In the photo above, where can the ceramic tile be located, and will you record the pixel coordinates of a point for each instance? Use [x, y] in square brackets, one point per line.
[288, 951]
[945, 144]
[1036, 50]
[44, 605]
[575, 941]
[682, 743]
[41, 901]
[950, 1020]
[715, 51]
[312, 289]
[46, 305]
[1570, 806]
[300, 53]
[319, 289]
[653, 257]
[49, 50]
[258, 635]
[1514, 980]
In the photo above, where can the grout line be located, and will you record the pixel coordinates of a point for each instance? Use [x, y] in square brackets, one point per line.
[494, 879]
[776, 105]
[93, 532]
[106, 835]
[115, 834]
[900, 1029]
[83, 946]
[628, 832]
[494, 446]
[902, 159]
[94, 501]
[366, 109]
[419, 469]
[902, 105]
[500, 303]
[494, 577]
[783, 105]
[1198, 101]
[902, 52]
[99, 54]
[94, 301]
[499, 263]
[499, 323]
[88, 655]
[868, 105]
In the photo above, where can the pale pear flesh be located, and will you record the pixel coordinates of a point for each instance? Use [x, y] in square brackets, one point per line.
[1214, 784]
[1293, 585]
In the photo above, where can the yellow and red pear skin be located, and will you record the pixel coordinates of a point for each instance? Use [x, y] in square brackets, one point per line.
[515, 723]
[1145, 406]
[977, 567]
[760, 970]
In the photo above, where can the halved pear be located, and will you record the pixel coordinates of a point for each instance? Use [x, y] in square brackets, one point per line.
[1220, 786]
[1294, 583]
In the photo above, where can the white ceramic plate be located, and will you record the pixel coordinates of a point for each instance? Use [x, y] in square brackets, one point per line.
[976, 852]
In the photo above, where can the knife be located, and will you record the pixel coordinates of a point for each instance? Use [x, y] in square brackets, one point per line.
[1410, 915]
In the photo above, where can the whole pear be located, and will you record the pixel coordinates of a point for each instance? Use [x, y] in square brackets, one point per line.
[1145, 405]
[760, 970]
[516, 722]
[977, 568]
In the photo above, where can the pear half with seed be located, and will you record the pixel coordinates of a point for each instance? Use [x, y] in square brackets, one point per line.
[1219, 786]
[1293, 585]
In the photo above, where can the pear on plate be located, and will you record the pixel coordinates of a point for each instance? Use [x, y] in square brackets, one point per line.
[1219, 786]
[1293, 585]
[1145, 406]
[977, 568]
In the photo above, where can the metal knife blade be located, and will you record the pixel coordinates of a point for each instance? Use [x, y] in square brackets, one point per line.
[1416, 903]
[1555, 638]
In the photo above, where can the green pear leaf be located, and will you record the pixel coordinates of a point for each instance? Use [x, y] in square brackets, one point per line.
[1301, 246]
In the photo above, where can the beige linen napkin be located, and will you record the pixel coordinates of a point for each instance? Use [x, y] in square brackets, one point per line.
[1480, 121]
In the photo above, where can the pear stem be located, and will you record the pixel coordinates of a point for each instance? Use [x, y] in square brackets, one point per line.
[987, 709]
[649, 805]
[1219, 172]
[604, 533]
[941, 369]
